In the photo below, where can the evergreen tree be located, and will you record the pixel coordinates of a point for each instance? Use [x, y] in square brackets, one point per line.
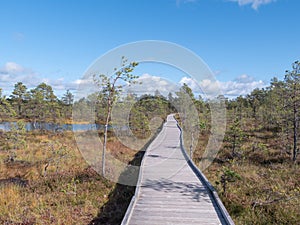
[6, 110]
[235, 136]
[67, 100]
[292, 79]
[19, 95]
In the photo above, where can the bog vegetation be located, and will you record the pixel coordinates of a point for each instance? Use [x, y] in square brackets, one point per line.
[256, 172]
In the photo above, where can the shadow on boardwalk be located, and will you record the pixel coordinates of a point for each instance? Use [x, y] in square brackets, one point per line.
[190, 190]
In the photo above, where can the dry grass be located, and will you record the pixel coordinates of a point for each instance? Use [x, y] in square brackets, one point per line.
[60, 187]
[264, 195]
[269, 189]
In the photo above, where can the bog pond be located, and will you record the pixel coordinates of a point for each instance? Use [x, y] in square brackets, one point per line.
[6, 126]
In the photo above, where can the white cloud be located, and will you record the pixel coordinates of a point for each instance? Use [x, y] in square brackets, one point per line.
[12, 67]
[149, 84]
[236, 88]
[242, 85]
[255, 4]
[244, 78]
[83, 87]
[12, 72]
[82, 81]
[190, 82]
[5, 78]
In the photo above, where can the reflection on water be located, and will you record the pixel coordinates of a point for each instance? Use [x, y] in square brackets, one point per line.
[6, 126]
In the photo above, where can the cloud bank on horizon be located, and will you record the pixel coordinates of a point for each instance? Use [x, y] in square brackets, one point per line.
[11, 73]
[242, 85]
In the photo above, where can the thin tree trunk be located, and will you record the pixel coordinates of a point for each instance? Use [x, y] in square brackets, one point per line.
[234, 145]
[295, 135]
[19, 109]
[104, 150]
[105, 140]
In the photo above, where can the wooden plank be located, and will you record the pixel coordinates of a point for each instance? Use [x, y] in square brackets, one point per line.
[169, 191]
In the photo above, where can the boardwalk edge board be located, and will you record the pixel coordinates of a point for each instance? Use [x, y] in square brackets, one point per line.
[133, 201]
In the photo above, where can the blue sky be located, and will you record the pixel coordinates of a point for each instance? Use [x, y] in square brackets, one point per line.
[244, 42]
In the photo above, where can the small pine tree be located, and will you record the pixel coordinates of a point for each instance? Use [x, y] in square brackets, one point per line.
[228, 176]
[16, 139]
[235, 136]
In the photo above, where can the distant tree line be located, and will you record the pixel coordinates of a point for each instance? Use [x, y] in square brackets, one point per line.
[275, 108]
[39, 104]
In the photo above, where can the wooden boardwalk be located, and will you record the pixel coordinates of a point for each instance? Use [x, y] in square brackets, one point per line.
[170, 189]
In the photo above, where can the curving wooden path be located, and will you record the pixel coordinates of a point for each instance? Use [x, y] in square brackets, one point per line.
[170, 189]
